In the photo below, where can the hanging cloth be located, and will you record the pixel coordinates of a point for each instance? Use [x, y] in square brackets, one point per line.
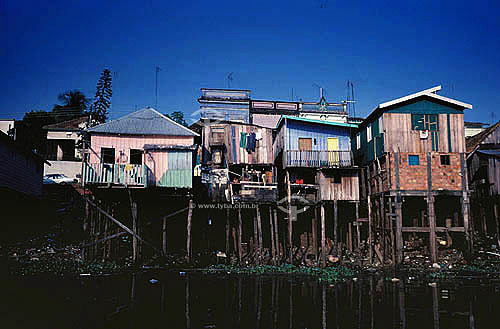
[243, 139]
[251, 143]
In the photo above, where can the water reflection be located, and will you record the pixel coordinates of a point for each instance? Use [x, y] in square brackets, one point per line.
[230, 301]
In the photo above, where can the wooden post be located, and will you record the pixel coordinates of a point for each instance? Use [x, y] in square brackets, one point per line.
[383, 219]
[495, 213]
[240, 252]
[271, 230]
[335, 229]
[469, 237]
[358, 230]
[349, 237]
[314, 234]
[188, 237]
[164, 236]
[228, 231]
[370, 233]
[259, 236]
[290, 235]
[391, 227]
[430, 211]
[399, 230]
[323, 237]
[276, 236]
[135, 247]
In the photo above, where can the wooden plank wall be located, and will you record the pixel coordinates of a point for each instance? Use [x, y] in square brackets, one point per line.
[348, 189]
[399, 136]
[263, 153]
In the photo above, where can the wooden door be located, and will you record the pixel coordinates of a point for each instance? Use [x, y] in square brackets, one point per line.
[305, 144]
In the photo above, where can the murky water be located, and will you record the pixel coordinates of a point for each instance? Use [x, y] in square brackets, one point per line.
[230, 301]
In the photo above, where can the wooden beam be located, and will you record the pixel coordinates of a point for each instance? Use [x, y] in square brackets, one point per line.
[228, 232]
[430, 212]
[276, 236]
[418, 229]
[164, 236]
[335, 228]
[105, 239]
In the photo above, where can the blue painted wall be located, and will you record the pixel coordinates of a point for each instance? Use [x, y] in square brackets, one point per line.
[320, 132]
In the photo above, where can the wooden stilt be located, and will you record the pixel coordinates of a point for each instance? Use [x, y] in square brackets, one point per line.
[399, 230]
[276, 236]
[164, 236]
[314, 233]
[358, 230]
[391, 227]
[259, 236]
[430, 212]
[495, 213]
[290, 233]
[323, 237]
[188, 234]
[370, 233]
[240, 251]
[383, 220]
[335, 229]
[135, 251]
[349, 236]
[271, 230]
[228, 231]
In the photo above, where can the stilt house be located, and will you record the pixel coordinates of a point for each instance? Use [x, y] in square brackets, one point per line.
[483, 163]
[413, 150]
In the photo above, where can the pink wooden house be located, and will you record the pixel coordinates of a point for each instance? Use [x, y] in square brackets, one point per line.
[144, 148]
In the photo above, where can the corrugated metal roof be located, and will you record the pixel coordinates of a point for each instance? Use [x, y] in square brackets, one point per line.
[495, 153]
[147, 121]
[339, 124]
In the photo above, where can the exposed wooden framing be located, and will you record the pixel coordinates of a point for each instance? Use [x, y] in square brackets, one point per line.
[271, 230]
[188, 234]
[323, 236]
[259, 236]
[120, 224]
[290, 233]
[465, 204]
[240, 251]
[417, 229]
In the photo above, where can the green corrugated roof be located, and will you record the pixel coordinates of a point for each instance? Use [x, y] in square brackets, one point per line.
[339, 124]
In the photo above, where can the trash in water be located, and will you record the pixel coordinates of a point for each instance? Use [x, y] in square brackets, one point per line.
[182, 273]
[153, 281]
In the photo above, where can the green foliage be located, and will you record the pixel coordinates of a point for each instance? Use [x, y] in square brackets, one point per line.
[178, 117]
[102, 100]
[73, 105]
[329, 274]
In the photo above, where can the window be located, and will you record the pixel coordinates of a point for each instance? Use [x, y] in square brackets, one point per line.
[337, 179]
[135, 156]
[445, 160]
[369, 132]
[107, 155]
[425, 122]
[380, 125]
[413, 160]
[358, 141]
[305, 144]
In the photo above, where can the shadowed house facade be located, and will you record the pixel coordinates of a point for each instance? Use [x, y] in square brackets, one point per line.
[142, 149]
[413, 150]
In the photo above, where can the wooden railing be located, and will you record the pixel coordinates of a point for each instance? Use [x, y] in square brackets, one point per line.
[318, 159]
[121, 174]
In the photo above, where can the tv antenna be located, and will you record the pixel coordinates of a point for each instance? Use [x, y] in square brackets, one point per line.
[320, 90]
[157, 73]
[351, 109]
[229, 80]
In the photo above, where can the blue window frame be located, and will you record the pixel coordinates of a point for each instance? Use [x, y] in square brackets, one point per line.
[413, 160]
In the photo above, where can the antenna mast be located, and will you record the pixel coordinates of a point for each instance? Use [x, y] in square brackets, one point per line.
[229, 80]
[157, 73]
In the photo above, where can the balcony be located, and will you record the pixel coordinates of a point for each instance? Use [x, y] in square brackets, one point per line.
[318, 159]
[119, 174]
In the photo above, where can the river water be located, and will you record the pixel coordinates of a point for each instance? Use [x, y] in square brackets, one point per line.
[196, 300]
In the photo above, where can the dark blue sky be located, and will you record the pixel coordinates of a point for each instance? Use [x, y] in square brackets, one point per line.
[387, 49]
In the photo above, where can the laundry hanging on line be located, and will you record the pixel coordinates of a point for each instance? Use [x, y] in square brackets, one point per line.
[243, 139]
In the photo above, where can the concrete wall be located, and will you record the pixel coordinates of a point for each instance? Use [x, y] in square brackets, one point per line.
[68, 168]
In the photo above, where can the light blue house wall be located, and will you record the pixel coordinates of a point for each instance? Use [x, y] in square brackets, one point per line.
[318, 132]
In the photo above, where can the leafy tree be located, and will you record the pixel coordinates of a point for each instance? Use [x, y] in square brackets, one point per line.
[102, 100]
[178, 117]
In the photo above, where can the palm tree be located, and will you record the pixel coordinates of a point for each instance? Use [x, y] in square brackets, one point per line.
[73, 105]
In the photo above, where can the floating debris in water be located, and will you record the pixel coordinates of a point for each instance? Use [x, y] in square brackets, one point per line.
[153, 281]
